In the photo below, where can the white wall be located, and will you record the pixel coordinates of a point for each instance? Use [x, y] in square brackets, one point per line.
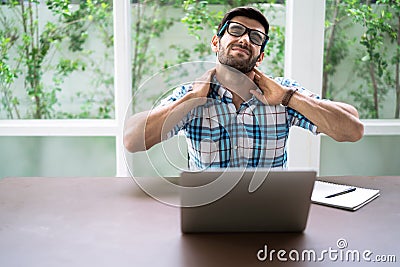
[372, 155]
[57, 156]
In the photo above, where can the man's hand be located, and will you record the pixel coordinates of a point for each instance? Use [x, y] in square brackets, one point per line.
[145, 129]
[201, 87]
[272, 92]
[338, 120]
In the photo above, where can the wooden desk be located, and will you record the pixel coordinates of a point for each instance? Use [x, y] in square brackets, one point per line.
[110, 222]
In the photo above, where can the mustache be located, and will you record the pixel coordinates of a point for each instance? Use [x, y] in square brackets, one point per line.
[245, 47]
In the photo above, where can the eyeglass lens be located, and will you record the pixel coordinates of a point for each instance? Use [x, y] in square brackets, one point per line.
[237, 29]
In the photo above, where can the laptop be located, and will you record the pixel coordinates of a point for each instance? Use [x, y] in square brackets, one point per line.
[251, 200]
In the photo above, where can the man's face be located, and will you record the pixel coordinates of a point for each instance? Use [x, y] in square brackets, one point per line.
[239, 52]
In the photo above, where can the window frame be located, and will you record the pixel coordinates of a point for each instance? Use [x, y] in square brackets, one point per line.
[94, 127]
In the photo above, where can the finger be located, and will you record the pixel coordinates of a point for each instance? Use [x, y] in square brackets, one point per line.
[211, 73]
[260, 81]
[256, 80]
[213, 70]
[257, 71]
[207, 76]
[260, 74]
[267, 81]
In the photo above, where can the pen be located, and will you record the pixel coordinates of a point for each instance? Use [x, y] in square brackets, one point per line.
[351, 189]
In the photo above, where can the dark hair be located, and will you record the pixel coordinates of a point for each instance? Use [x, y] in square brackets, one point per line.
[245, 11]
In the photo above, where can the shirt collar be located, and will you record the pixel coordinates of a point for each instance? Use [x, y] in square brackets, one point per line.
[219, 92]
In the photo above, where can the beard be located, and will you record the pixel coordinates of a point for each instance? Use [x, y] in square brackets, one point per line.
[244, 65]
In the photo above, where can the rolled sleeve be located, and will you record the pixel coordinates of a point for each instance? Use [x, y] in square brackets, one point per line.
[296, 118]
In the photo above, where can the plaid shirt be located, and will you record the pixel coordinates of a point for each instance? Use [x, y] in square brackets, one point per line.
[255, 135]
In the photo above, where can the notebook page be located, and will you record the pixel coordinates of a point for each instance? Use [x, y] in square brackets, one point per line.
[351, 201]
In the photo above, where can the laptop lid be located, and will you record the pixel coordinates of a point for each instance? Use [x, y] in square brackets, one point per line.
[257, 200]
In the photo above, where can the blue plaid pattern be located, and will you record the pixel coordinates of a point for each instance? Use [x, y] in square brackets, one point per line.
[255, 135]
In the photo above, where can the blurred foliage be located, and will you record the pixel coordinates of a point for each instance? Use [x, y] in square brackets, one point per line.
[376, 68]
[55, 47]
[200, 18]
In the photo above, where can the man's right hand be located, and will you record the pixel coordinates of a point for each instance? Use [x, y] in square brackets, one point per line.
[145, 129]
[201, 87]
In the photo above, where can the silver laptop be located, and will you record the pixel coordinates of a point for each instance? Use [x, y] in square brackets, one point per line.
[255, 200]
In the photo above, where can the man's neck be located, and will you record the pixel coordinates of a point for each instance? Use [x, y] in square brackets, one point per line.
[236, 82]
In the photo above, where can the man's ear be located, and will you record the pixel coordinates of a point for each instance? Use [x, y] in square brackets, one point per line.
[215, 44]
[260, 59]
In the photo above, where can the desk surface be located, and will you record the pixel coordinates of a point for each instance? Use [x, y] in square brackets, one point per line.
[110, 222]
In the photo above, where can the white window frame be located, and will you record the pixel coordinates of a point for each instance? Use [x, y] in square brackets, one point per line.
[304, 21]
[304, 50]
[95, 127]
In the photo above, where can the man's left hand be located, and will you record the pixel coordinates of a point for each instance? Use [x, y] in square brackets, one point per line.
[272, 92]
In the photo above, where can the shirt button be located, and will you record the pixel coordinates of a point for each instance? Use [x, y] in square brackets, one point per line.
[235, 147]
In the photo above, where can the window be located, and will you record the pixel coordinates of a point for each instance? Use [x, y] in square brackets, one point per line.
[56, 60]
[97, 109]
[361, 63]
[64, 74]
[361, 68]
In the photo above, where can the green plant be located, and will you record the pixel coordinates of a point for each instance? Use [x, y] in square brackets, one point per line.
[393, 8]
[90, 16]
[7, 74]
[57, 50]
[375, 72]
[201, 19]
[149, 23]
[44, 48]
[336, 42]
[275, 49]
[376, 22]
[199, 16]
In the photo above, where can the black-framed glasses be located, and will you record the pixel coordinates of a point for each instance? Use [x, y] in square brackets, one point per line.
[237, 29]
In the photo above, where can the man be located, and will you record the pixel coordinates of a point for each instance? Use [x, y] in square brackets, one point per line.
[236, 116]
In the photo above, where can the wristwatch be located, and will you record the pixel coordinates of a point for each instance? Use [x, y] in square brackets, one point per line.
[288, 96]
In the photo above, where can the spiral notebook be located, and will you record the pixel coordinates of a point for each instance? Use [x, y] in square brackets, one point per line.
[342, 196]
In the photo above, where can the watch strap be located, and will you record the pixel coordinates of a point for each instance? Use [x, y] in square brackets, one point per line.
[288, 96]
